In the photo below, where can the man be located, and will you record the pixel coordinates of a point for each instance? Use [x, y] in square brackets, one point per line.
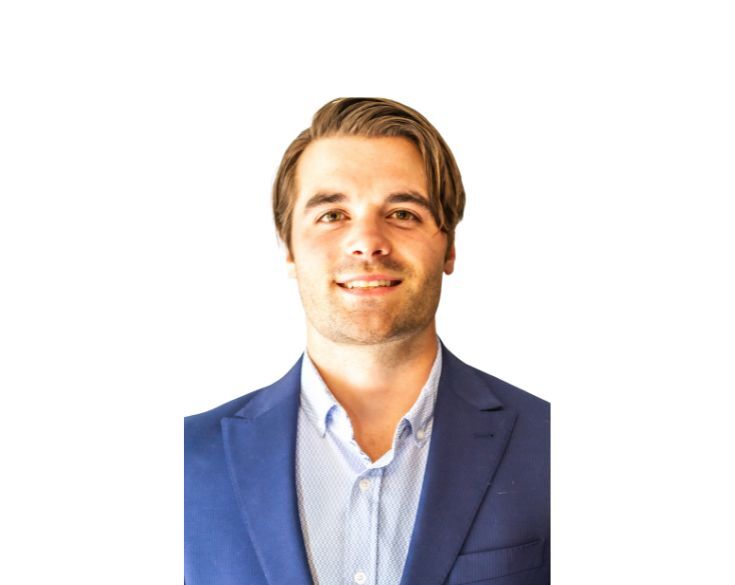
[380, 458]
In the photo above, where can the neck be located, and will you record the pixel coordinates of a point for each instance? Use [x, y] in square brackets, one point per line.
[376, 384]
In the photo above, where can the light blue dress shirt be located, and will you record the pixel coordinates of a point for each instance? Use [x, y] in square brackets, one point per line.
[357, 515]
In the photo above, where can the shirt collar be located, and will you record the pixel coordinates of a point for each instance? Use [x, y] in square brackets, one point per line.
[316, 399]
[319, 403]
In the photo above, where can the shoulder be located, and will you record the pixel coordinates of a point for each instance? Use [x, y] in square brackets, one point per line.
[204, 453]
[532, 428]
[512, 396]
[490, 392]
[508, 394]
[198, 426]
[204, 430]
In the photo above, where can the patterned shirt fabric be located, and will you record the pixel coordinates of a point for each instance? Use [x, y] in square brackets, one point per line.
[357, 515]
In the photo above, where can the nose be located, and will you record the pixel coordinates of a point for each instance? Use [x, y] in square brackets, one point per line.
[367, 238]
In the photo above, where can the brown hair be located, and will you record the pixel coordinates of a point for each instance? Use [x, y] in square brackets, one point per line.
[375, 117]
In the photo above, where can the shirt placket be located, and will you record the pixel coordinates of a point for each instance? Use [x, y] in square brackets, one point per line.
[362, 529]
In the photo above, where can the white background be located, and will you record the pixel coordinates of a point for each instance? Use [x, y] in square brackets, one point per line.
[142, 280]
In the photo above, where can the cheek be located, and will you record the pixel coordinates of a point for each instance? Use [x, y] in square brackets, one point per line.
[306, 247]
[425, 252]
[312, 265]
[316, 243]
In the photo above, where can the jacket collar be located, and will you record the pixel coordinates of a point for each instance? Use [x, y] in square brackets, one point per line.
[260, 446]
[471, 431]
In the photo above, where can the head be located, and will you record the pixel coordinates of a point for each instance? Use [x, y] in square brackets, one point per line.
[375, 117]
[366, 201]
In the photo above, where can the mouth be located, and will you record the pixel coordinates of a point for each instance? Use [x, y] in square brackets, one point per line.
[368, 284]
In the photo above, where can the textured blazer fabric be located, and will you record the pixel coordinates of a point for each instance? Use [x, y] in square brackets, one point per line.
[483, 513]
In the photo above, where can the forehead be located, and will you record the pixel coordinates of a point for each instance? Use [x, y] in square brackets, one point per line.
[357, 163]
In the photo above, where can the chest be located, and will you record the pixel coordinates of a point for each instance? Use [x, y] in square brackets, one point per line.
[356, 515]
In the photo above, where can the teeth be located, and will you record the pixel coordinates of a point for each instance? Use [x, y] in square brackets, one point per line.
[367, 283]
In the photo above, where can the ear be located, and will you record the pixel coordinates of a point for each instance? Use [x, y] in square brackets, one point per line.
[449, 262]
[290, 264]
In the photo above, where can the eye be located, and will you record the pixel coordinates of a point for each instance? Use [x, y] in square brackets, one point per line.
[404, 215]
[331, 216]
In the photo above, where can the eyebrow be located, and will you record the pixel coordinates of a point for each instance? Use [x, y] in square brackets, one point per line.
[400, 197]
[324, 199]
[410, 197]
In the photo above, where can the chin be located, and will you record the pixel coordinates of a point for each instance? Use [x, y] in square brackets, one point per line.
[356, 333]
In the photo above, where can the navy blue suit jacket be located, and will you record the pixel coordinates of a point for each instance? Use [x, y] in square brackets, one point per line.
[483, 515]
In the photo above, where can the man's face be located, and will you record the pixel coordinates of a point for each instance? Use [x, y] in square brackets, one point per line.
[365, 249]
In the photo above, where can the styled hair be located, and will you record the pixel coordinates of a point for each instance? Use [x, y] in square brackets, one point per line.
[375, 117]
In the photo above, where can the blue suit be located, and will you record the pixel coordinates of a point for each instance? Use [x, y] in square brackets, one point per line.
[483, 516]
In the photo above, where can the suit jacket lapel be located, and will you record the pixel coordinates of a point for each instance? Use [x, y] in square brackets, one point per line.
[260, 445]
[471, 429]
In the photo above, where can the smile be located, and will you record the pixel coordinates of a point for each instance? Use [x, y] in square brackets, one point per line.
[366, 284]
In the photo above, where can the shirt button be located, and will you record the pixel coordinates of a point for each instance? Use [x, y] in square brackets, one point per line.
[364, 486]
[421, 434]
[360, 578]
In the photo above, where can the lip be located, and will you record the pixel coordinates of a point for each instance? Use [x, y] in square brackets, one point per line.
[367, 277]
[369, 292]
